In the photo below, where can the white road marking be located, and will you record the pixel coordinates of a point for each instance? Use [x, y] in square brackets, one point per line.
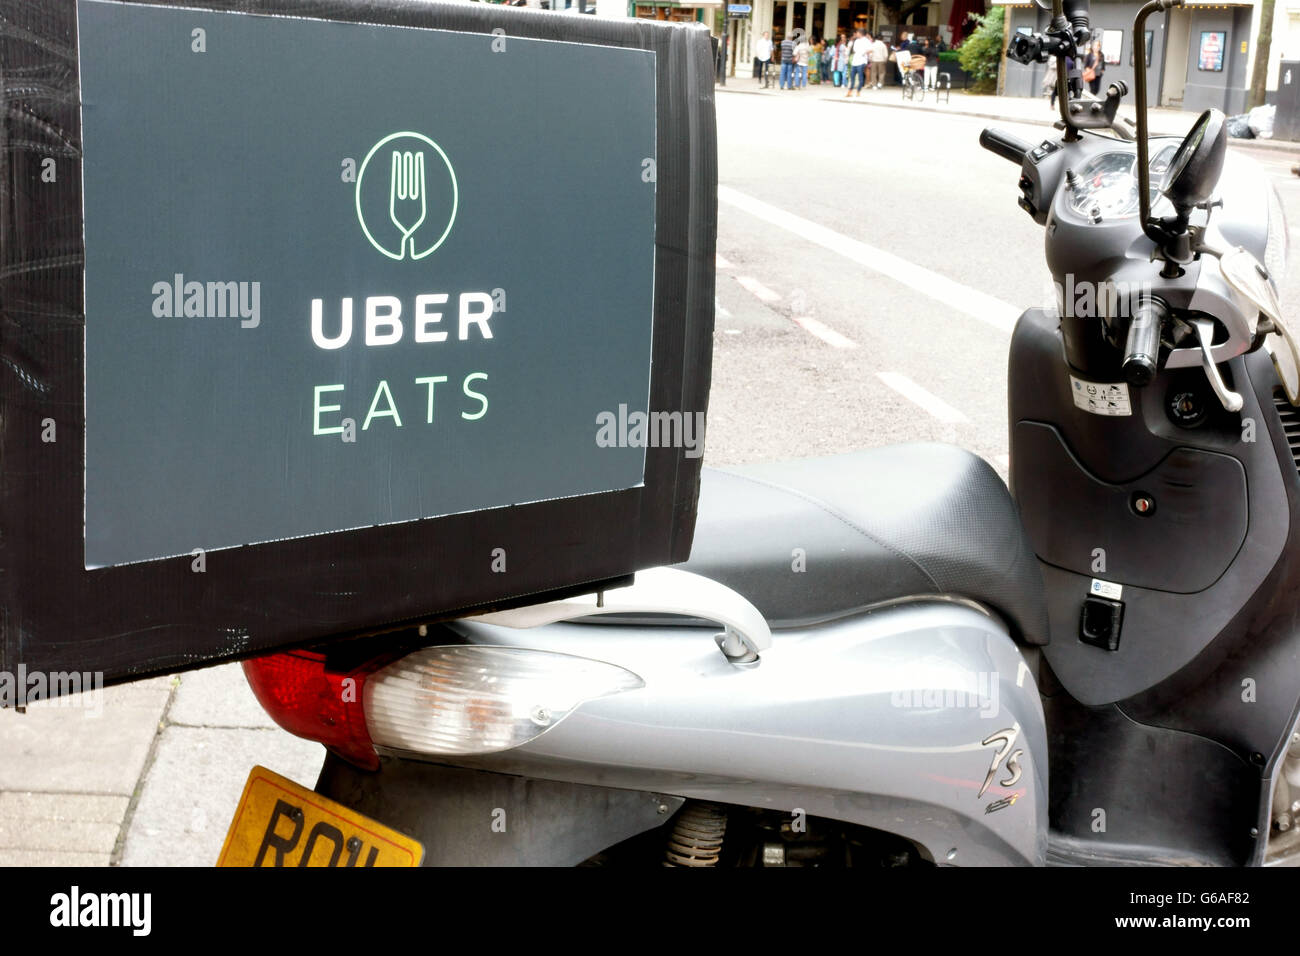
[756, 287]
[918, 396]
[720, 309]
[825, 333]
[721, 262]
[955, 295]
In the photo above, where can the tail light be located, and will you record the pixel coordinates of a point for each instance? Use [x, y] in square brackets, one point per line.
[456, 699]
[305, 697]
[470, 699]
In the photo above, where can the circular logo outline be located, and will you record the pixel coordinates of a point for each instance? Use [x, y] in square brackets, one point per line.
[455, 196]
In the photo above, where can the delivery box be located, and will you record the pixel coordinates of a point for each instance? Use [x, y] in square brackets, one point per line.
[321, 318]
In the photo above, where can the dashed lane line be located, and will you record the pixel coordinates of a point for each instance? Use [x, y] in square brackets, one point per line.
[920, 397]
[825, 332]
[961, 298]
[757, 288]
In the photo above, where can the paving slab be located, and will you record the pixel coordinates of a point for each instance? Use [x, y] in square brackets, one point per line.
[78, 745]
[23, 858]
[194, 785]
[64, 835]
[217, 697]
[89, 807]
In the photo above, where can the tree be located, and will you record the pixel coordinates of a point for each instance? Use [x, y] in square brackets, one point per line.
[981, 54]
[1263, 47]
[907, 7]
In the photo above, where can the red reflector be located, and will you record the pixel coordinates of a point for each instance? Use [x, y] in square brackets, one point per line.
[308, 700]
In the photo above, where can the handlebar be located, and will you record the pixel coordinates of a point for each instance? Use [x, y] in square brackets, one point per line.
[1142, 346]
[1005, 145]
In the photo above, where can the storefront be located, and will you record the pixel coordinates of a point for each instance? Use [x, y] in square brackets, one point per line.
[1199, 54]
[817, 19]
[1209, 52]
[702, 11]
[828, 18]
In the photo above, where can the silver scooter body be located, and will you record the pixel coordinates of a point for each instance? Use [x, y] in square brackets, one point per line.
[921, 719]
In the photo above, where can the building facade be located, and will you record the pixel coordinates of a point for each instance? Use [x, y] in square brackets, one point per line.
[827, 18]
[1201, 55]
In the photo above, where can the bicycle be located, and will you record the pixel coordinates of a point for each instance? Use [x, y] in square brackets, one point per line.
[913, 70]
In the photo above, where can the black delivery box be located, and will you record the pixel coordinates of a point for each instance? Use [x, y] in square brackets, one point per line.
[326, 318]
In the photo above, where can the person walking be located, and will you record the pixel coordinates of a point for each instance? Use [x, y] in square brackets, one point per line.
[1073, 77]
[879, 62]
[825, 54]
[763, 55]
[839, 63]
[801, 64]
[1093, 67]
[861, 57]
[787, 63]
[1049, 80]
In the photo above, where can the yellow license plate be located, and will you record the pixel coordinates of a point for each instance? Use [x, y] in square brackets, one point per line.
[279, 823]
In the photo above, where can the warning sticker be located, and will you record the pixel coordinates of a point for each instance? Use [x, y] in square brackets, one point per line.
[1107, 589]
[1101, 398]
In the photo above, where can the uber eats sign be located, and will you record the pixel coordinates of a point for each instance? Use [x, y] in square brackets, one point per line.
[343, 275]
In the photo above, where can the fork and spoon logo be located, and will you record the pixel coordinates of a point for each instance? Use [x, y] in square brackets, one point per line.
[409, 212]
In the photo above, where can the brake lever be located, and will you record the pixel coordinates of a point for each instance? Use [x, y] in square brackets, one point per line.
[1204, 328]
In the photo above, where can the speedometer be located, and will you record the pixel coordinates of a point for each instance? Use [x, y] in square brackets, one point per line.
[1106, 186]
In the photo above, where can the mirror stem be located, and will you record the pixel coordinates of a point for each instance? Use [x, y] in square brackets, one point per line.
[1059, 23]
[1152, 230]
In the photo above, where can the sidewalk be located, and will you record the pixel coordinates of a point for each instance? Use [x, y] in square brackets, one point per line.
[1008, 109]
[149, 775]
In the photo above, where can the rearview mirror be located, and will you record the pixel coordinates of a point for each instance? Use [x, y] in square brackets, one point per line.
[1194, 171]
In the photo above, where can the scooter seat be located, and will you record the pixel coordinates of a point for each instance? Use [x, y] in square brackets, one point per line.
[816, 539]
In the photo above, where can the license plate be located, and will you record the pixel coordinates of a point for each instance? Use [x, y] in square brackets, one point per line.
[279, 823]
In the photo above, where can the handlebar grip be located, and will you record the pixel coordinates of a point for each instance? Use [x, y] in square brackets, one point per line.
[1142, 346]
[1005, 145]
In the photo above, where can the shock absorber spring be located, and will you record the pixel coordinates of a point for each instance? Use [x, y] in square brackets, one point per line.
[697, 835]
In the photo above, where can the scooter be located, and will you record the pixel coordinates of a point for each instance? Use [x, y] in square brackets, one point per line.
[876, 658]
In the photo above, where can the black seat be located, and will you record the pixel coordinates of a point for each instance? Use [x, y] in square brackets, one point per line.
[892, 522]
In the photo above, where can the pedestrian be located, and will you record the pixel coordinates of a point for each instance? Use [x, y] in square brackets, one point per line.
[900, 47]
[801, 63]
[787, 63]
[1073, 77]
[879, 62]
[763, 55]
[1093, 67]
[1049, 79]
[902, 63]
[848, 65]
[861, 57]
[1074, 72]
[839, 65]
[931, 52]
